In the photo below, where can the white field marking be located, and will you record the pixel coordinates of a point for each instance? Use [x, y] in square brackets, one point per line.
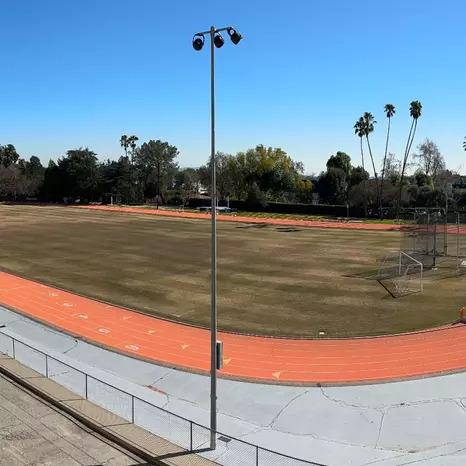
[53, 294]
[104, 330]
[226, 361]
[150, 332]
[83, 316]
[67, 305]
[276, 375]
[183, 347]
[126, 318]
[132, 347]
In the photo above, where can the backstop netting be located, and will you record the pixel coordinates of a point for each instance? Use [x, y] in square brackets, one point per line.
[436, 239]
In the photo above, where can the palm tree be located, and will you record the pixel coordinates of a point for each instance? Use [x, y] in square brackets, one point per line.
[415, 110]
[464, 144]
[369, 123]
[132, 143]
[359, 130]
[124, 143]
[389, 110]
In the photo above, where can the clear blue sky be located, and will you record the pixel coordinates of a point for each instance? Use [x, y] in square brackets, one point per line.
[81, 73]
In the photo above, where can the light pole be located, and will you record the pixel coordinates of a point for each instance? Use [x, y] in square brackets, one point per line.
[216, 40]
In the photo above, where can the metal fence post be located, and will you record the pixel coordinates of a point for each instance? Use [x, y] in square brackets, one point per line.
[132, 409]
[14, 354]
[191, 436]
[46, 366]
[86, 385]
[257, 455]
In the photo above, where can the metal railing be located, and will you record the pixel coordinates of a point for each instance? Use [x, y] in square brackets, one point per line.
[182, 432]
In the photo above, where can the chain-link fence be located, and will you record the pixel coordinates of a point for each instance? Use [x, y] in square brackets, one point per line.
[186, 434]
[437, 239]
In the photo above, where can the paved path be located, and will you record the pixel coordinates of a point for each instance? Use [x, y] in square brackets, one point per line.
[275, 360]
[32, 433]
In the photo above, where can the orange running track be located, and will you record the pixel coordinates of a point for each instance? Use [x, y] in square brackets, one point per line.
[271, 221]
[238, 218]
[263, 359]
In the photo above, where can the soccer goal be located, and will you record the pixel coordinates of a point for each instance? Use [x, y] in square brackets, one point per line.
[403, 272]
[411, 273]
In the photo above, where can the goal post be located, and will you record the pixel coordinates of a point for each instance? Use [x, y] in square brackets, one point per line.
[411, 272]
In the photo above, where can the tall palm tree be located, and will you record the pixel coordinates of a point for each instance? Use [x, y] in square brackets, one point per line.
[415, 110]
[464, 144]
[359, 130]
[124, 143]
[132, 143]
[369, 122]
[389, 110]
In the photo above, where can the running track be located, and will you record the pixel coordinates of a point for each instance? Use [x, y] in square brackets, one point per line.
[238, 218]
[245, 357]
[271, 221]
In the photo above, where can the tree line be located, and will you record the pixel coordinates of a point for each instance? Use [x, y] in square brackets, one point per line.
[149, 172]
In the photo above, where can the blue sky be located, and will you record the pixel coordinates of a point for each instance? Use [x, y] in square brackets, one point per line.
[81, 73]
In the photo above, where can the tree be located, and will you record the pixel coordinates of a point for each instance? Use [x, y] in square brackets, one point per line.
[341, 160]
[124, 142]
[34, 172]
[120, 180]
[12, 182]
[464, 144]
[358, 176]
[389, 113]
[79, 173]
[131, 143]
[392, 170]
[333, 186]
[415, 110]
[8, 155]
[429, 159]
[187, 183]
[423, 179]
[369, 122]
[223, 174]
[157, 165]
[304, 191]
[359, 130]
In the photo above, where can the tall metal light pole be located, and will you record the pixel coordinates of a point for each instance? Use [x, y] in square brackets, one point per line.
[216, 40]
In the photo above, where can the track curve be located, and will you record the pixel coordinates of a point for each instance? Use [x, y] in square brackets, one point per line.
[265, 359]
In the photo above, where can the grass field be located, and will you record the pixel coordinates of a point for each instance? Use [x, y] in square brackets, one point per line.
[272, 280]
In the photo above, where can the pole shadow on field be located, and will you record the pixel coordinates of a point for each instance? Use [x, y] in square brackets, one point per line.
[253, 225]
[287, 229]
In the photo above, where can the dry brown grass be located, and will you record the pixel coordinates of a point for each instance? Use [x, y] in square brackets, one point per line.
[272, 280]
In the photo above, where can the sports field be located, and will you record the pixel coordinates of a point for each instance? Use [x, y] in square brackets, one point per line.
[274, 280]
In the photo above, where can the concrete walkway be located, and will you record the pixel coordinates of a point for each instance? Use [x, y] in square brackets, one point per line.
[392, 424]
[32, 433]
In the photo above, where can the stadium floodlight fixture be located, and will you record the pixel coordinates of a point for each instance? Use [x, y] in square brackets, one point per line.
[234, 36]
[198, 42]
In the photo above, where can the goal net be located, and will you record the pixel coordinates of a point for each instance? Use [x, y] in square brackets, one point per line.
[402, 273]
